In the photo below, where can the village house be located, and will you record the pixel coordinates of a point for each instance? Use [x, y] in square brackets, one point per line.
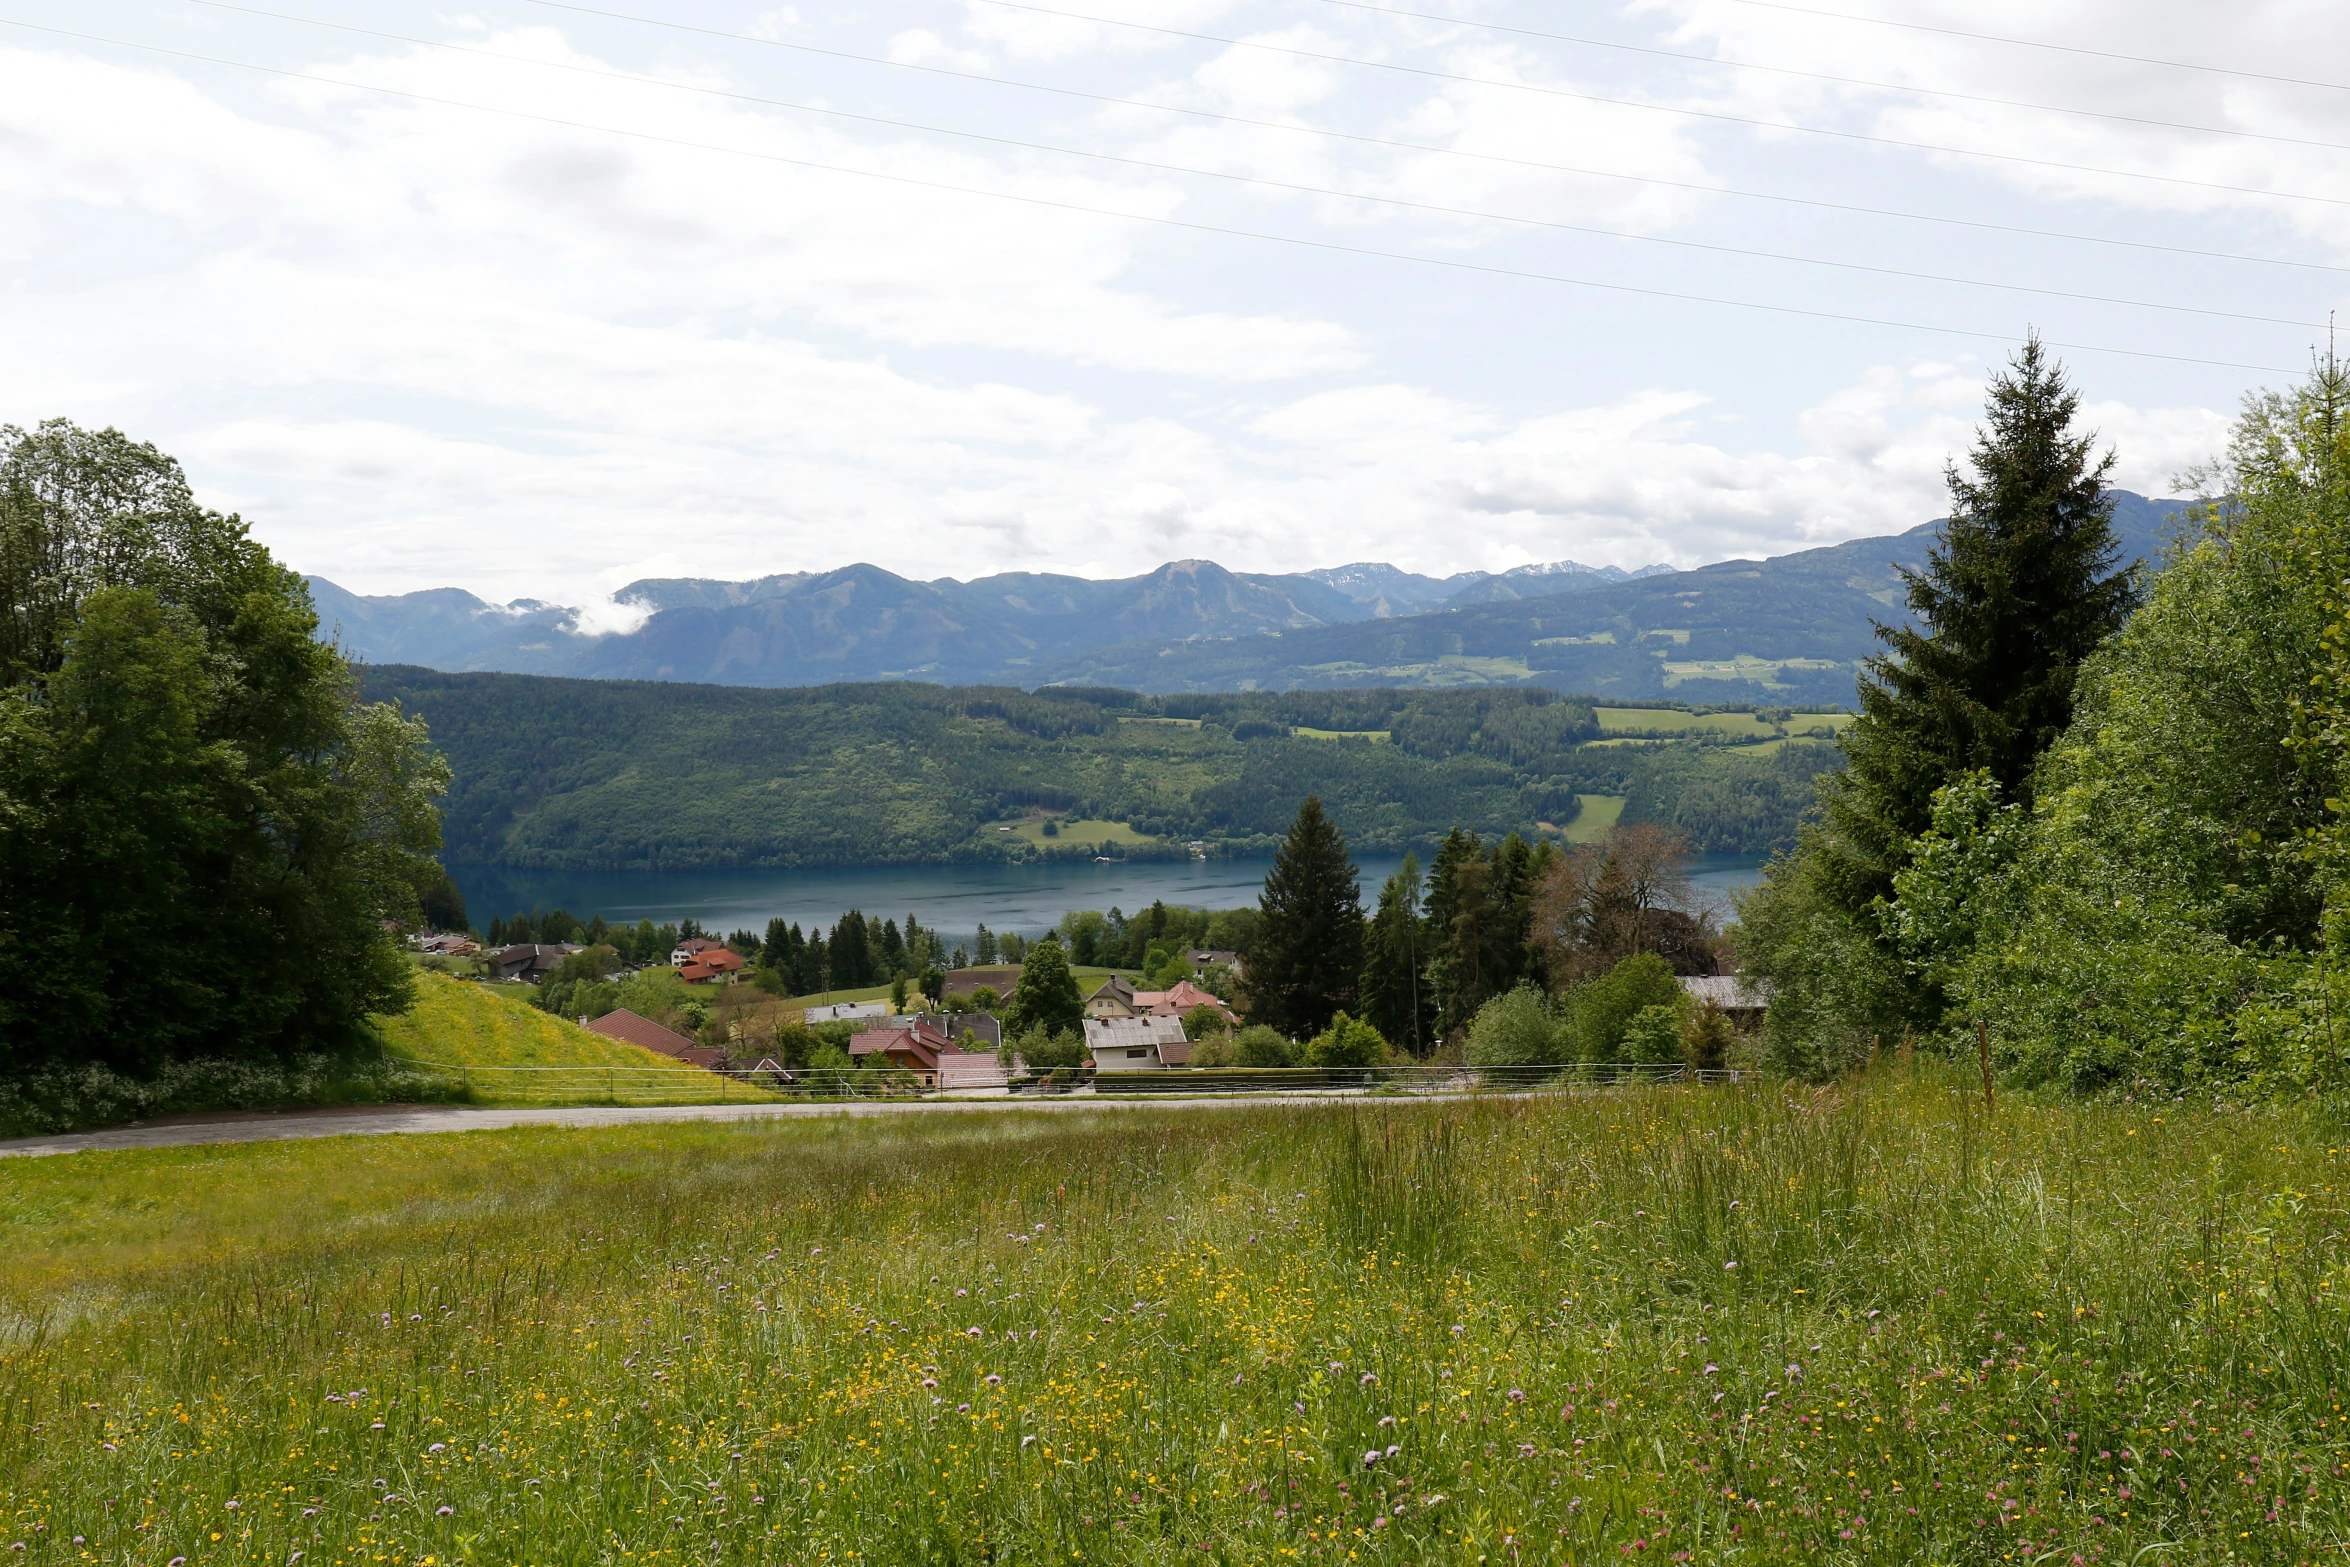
[1745, 1003]
[1179, 1000]
[1114, 999]
[691, 948]
[446, 944]
[1137, 1044]
[626, 1026]
[710, 965]
[528, 961]
[1213, 957]
[845, 1012]
[918, 1045]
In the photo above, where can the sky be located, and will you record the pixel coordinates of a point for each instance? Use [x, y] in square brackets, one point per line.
[537, 299]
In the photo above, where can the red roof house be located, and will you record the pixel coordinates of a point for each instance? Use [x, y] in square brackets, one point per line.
[627, 1026]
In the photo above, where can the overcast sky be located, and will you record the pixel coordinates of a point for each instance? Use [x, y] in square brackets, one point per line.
[534, 299]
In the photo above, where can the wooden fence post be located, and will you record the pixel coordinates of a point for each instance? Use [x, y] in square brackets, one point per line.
[1983, 1050]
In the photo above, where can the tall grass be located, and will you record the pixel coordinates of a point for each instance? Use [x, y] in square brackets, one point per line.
[1881, 1324]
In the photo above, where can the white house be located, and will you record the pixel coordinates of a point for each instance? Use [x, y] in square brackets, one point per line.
[1137, 1044]
[847, 1012]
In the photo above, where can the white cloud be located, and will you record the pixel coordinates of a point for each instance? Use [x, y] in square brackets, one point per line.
[417, 344]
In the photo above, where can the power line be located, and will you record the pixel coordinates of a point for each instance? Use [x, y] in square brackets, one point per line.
[1332, 247]
[2033, 43]
[1431, 148]
[1659, 108]
[1255, 180]
[1842, 81]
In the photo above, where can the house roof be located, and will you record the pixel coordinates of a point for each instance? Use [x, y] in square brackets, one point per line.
[1118, 1032]
[916, 1037]
[626, 1025]
[1727, 991]
[698, 944]
[1177, 999]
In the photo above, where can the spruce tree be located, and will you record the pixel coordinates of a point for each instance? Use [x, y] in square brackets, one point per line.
[2019, 590]
[1395, 993]
[1308, 955]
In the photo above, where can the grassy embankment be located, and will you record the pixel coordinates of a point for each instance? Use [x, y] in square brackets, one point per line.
[485, 1032]
[1877, 1325]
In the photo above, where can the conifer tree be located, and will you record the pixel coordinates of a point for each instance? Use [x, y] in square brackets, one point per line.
[2019, 590]
[1308, 955]
[1395, 993]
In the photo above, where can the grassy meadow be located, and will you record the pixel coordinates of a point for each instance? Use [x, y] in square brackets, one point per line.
[1714, 1325]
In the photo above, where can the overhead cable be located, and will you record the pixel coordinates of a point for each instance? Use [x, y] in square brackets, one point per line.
[1260, 181]
[2034, 43]
[1333, 247]
[1433, 149]
[1841, 81]
[1720, 116]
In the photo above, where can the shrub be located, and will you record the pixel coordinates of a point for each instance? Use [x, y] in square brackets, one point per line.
[985, 999]
[1213, 1050]
[1706, 1037]
[1653, 1037]
[1599, 1012]
[1514, 1029]
[1260, 1045]
[1202, 1021]
[1346, 1042]
[1060, 1050]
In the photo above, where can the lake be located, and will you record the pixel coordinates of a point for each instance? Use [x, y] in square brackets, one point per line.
[954, 900]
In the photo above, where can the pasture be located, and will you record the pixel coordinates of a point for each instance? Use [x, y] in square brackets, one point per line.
[1713, 1325]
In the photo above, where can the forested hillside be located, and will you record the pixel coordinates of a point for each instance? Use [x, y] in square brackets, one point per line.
[580, 773]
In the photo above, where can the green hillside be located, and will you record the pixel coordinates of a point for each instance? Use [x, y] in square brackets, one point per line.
[556, 772]
[455, 1023]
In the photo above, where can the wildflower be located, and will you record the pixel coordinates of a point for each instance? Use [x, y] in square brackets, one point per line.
[1386, 1421]
[438, 1447]
[443, 1512]
[1368, 1379]
[971, 1333]
[230, 1504]
[993, 1380]
[1729, 1267]
[1393, 1450]
[1517, 1395]
[1236, 1379]
[1336, 1366]
[962, 1409]
[377, 1426]
[1458, 1330]
[959, 1294]
[1024, 1441]
[1710, 1368]
[930, 1381]
[1371, 1458]
[1378, 1523]
[108, 1446]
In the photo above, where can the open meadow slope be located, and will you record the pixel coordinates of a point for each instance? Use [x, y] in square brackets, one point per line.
[1879, 1324]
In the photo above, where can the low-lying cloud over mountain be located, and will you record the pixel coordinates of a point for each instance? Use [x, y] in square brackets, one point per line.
[1792, 628]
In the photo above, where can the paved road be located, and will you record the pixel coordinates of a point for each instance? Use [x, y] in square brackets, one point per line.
[365, 1120]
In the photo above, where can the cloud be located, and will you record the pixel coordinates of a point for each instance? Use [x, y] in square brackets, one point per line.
[418, 344]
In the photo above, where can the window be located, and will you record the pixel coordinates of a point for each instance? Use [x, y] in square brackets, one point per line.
[1136, 1055]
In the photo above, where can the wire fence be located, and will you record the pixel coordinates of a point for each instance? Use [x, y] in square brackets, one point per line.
[654, 1085]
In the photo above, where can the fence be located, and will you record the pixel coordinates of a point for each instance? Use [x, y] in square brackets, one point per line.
[652, 1085]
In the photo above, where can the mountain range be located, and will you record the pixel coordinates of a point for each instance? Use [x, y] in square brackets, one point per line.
[1789, 629]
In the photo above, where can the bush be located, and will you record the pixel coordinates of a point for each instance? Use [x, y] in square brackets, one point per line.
[1202, 1021]
[75, 1098]
[1653, 1037]
[1213, 1050]
[1346, 1042]
[1061, 1050]
[1259, 1045]
[1600, 1012]
[1514, 1029]
[1706, 1037]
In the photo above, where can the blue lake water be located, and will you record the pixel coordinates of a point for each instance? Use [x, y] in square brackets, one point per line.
[954, 900]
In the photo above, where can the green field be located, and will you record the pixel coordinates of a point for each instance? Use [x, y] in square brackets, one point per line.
[1874, 1325]
[1599, 813]
[1341, 734]
[1073, 834]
